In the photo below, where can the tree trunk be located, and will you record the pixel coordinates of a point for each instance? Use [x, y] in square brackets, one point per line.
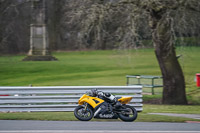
[173, 78]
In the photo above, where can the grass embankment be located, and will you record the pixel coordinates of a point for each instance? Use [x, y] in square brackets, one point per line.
[96, 68]
[78, 68]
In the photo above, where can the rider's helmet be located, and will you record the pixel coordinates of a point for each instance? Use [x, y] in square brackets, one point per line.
[110, 97]
[107, 94]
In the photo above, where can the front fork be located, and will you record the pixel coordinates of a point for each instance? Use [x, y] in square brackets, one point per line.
[86, 105]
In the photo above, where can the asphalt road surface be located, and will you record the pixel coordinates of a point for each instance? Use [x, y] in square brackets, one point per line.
[29, 126]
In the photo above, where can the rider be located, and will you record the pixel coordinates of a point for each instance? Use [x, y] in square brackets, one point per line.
[108, 97]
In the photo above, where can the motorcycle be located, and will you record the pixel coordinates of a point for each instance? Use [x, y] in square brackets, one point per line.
[90, 106]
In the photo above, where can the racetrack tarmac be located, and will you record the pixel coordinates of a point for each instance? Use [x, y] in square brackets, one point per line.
[30, 126]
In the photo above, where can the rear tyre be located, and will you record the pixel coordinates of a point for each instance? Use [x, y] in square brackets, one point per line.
[83, 114]
[129, 115]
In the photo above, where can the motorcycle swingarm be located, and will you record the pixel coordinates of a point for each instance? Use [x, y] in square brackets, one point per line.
[119, 110]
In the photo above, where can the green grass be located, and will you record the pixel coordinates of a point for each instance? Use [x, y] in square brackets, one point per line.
[179, 109]
[78, 68]
[142, 116]
[91, 67]
[108, 67]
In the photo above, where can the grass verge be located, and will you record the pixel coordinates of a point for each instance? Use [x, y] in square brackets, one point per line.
[142, 116]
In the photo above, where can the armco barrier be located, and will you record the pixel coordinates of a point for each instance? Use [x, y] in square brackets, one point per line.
[58, 98]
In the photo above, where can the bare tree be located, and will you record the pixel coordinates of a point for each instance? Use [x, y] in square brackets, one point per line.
[14, 26]
[161, 16]
[162, 34]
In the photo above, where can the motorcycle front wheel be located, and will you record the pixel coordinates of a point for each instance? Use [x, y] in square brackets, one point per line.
[83, 114]
[129, 115]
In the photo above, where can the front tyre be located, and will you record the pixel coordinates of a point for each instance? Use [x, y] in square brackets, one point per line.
[83, 114]
[128, 114]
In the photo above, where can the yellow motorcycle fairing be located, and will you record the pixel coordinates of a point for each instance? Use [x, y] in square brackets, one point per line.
[93, 101]
[125, 100]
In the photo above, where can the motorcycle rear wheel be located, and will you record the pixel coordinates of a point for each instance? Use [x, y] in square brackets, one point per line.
[128, 116]
[82, 114]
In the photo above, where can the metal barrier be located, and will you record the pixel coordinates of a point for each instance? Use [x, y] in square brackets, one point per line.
[147, 81]
[58, 98]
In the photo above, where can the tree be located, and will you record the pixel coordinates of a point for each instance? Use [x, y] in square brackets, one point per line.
[161, 19]
[14, 26]
[161, 15]
[162, 34]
